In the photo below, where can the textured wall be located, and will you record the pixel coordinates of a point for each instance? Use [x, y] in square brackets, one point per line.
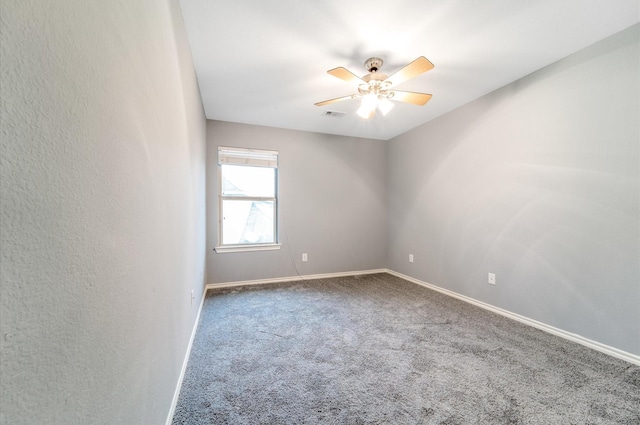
[103, 212]
[537, 182]
[332, 195]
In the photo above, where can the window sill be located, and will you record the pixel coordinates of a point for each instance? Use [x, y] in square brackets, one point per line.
[246, 248]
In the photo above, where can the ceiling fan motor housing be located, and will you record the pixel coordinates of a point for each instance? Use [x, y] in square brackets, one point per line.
[373, 64]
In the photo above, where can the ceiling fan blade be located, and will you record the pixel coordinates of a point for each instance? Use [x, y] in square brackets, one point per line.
[410, 71]
[411, 97]
[337, 99]
[345, 75]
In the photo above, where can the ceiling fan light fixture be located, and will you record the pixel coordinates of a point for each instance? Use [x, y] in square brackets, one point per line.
[365, 113]
[371, 102]
[368, 106]
[385, 105]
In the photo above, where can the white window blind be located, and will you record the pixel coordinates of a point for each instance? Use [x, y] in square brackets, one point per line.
[247, 157]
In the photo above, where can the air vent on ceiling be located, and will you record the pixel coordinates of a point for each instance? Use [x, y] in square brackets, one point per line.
[333, 114]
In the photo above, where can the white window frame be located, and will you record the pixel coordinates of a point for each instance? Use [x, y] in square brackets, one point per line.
[251, 158]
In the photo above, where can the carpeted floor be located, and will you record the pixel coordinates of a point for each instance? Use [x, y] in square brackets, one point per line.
[377, 349]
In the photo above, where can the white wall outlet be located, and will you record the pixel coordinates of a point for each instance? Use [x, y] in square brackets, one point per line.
[411, 258]
[304, 257]
[492, 279]
[192, 297]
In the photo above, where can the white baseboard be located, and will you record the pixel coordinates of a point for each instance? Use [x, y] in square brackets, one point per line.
[176, 393]
[292, 278]
[631, 358]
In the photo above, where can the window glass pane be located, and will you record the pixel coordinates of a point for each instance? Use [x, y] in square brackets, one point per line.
[240, 180]
[247, 222]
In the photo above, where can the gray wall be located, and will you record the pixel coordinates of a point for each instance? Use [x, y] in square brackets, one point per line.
[537, 182]
[332, 197]
[103, 211]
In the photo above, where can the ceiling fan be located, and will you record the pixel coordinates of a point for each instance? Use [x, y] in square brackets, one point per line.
[376, 88]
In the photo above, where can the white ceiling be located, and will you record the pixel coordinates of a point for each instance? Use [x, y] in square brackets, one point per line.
[265, 62]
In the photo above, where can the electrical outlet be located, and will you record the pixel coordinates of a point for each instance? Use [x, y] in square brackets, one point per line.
[411, 258]
[304, 257]
[192, 297]
[492, 279]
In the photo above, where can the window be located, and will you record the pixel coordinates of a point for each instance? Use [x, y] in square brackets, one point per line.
[248, 199]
